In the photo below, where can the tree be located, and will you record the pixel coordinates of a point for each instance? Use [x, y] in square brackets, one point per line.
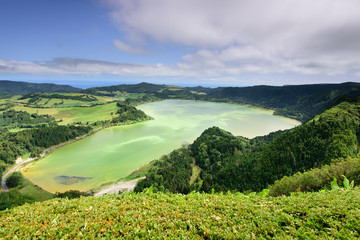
[14, 180]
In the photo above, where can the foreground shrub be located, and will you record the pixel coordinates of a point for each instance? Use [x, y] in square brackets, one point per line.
[322, 215]
[318, 178]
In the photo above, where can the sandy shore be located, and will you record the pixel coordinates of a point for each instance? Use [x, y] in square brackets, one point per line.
[119, 186]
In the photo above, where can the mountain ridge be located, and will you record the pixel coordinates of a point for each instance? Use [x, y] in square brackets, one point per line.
[19, 87]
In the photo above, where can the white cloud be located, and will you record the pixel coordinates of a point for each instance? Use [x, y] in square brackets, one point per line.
[263, 36]
[127, 48]
[232, 40]
[71, 66]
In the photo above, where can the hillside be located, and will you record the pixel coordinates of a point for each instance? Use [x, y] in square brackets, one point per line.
[234, 163]
[323, 215]
[298, 101]
[301, 102]
[15, 87]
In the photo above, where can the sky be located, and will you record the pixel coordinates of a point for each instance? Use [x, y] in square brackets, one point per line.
[88, 43]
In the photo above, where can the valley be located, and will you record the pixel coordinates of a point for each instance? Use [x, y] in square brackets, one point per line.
[114, 153]
[184, 140]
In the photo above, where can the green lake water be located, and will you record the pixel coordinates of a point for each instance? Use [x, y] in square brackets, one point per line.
[114, 153]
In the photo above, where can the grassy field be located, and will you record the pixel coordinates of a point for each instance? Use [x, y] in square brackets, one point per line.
[322, 215]
[69, 110]
[86, 114]
[35, 192]
[75, 114]
[29, 189]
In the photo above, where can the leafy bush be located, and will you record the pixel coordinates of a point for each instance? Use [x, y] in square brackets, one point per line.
[12, 199]
[321, 215]
[14, 180]
[318, 178]
[71, 194]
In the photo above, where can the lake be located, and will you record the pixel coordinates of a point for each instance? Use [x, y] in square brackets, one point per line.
[114, 153]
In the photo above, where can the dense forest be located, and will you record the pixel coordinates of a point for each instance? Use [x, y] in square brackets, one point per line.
[127, 113]
[300, 102]
[238, 164]
[15, 87]
[13, 145]
[21, 119]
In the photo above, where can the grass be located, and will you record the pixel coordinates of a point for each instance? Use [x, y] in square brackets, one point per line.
[75, 114]
[86, 114]
[70, 110]
[33, 191]
[52, 102]
[321, 215]
[40, 111]
[141, 172]
[195, 173]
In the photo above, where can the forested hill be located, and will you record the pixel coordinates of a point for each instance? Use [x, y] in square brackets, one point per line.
[131, 88]
[14, 87]
[226, 162]
[301, 102]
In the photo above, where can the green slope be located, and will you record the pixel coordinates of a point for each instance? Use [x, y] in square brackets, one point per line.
[235, 163]
[325, 215]
[15, 87]
[301, 102]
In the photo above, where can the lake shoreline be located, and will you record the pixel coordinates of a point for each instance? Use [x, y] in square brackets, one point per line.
[19, 161]
[107, 127]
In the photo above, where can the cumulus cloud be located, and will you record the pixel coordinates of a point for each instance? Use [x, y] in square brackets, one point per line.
[307, 37]
[229, 40]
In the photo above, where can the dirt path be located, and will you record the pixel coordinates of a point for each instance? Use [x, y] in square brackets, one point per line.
[13, 169]
[119, 186]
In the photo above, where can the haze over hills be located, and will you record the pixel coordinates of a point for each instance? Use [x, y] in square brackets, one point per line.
[15, 87]
[300, 102]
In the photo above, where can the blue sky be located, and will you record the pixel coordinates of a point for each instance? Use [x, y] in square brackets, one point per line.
[185, 42]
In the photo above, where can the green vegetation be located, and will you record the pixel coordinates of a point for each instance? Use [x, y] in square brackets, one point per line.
[318, 178]
[323, 215]
[13, 145]
[56, 100]
[34, 192]
[239, 164]
[300, 102]
[26, 188]
[141, 172]
[14, 180]
[21, 119]
[127, 113]
[71, 194]
[321, 154]
[86, 115]
[171, 173]
[12, 87]
[12, 199]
